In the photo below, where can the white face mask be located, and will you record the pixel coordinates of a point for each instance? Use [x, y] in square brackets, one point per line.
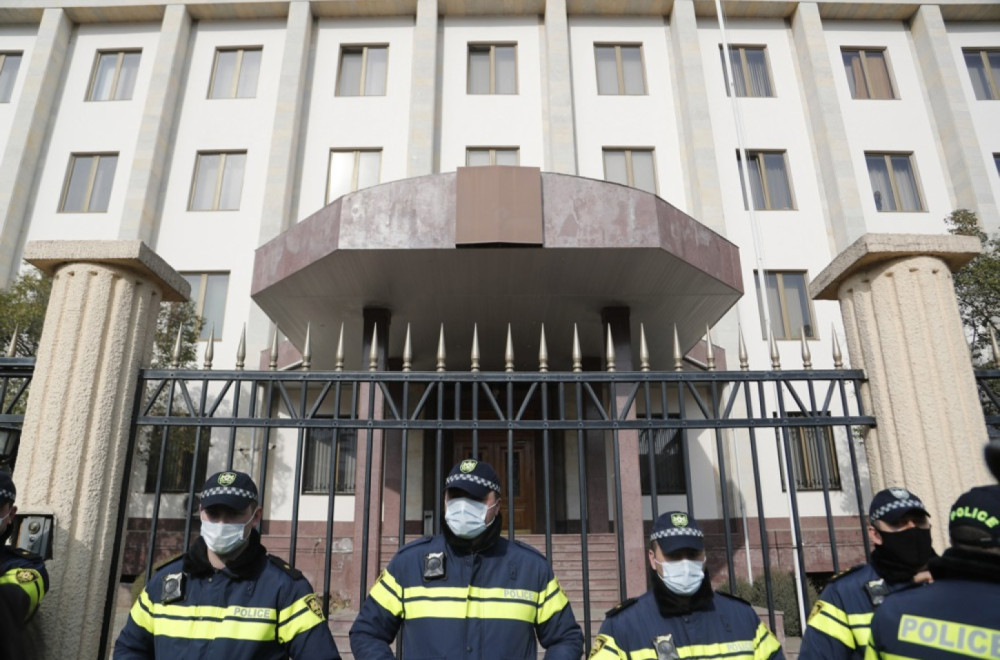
[224, 538]
[465, 517]
[683, 577]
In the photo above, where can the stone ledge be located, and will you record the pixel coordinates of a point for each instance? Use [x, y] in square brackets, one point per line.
[873, 249]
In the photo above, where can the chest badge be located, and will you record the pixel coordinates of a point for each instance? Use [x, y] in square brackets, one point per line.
[665, 648]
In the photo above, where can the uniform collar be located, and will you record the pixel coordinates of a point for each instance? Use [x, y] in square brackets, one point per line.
[482, 543]
[244, 566]
[671, 604]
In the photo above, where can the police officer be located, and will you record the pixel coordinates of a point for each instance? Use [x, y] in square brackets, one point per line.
[900, 531]
[23, 578]
[467, 592]
[681, 617]
[226, 597]
[958, 616]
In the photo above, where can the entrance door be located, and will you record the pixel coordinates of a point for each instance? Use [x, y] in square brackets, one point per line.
[521, 490]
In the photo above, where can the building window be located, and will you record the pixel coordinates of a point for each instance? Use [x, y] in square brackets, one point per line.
[996, 161]
[867, 73]
[235, 73]
[322, 454]
[208, 295]
[113, 78]
[894, 182]
[9, 64]
[751, 74]
[182, 443]
[492, 69]
[667, 447]
[788, 304]
[620, 70]
[218, 181]
[631, 167]
[352, 169]
[362, 70]
[475, 156]
[812, 449]
[984, 68]
[768, 180]
[88, 183]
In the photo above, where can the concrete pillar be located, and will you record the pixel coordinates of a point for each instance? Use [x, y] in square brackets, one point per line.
[155, 148]
[22, 157]
[903, 329]
[559, 122]
[958, 144]
[831, 147]
[617, 319]
[98, 333]
[422, 157]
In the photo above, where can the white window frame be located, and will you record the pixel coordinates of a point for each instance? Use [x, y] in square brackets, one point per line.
[89, 196]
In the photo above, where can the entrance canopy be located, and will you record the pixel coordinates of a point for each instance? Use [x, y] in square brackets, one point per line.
[492, 246]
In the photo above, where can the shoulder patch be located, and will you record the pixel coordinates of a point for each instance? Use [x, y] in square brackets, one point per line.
[732, 597]
[620, 607]
[852, 569]
[285, 566]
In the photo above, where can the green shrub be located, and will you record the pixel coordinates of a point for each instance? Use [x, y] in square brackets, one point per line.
[785, 594]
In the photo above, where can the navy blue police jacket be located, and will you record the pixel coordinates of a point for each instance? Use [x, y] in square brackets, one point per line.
[707, 625]
[957, 616]
[494, 598]
[23, 580]
[257, 608]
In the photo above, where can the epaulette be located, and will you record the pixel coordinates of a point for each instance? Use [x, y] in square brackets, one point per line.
[617, 609]
[285, 566]
[169, 560]
[732, 597]
[841, 574]
[530, 547]
[414, 543]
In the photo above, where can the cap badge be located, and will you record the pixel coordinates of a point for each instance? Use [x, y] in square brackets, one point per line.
[899, 493]
[679, 519]
[227, 478]
[468, 465]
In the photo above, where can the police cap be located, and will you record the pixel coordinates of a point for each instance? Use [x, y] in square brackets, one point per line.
[675, 530]
[235, 490]
[474, 477]
[975, 517]
[891, 504]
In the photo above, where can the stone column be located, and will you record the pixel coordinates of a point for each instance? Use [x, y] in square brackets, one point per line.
[98, 333]
[422, 157]
[903, 329]
[559, 121]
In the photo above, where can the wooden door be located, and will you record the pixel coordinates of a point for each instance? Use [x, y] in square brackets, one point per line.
[521, 489]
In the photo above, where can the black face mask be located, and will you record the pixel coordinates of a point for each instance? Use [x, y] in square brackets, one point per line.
[910, 548]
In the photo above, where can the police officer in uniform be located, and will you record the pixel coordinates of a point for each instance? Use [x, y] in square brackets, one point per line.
[900, 532]
[681, 616]
[468, 592]
[958, 616]
[23, 578]
[226, 597]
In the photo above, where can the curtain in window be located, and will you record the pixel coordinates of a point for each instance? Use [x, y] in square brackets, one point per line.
[796, 305]
[477, 157]
[350, 73]
[127, 76]
[906, 183]
[607, 70]
[505, 70]
[316, 466]
[203, 198]
[632, 70]
[778, 188]
[369, 166]
[213, 309]
[643, 174]
[479, 70]
[375, 70]
[9, 64]
[506, 156]
[232, 182]
[225, 69]
[756, 183]
[668, 462]
[760, 82]
[774, 309]
[878, 75]
[101, 193]
[878, 172]
[993, 57]
[737, 63]
[855, 74]
[341, 174]
[105, 77]
[249, 72]
[615, 168]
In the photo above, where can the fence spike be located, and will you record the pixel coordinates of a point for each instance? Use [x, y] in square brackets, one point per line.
[508, 353]
[373, 349]
[678, 358]
[775, 356]
[175, 357]
[807, 361]
[577, 354]
[12, 346]
[272, 362]
[307, 349]
[610, 352]
[407, 351]
[440, 352]
[543, 352]
[838, 357]
[209, 350]
[744, 358]
[709, 350]
[993, 345]
[474, 355]
[241, 349]
[339, 358]
[643, 349]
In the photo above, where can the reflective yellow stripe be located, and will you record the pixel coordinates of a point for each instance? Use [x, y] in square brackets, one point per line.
[949, 636]
[470, 609]
[552, 602]
[477, 602]
[299, 617]
[605, 648]
[205, 622]
[387, 593]
[765, 644]
[833, 621]
[740, 649]
[30, 581]
[140, 612]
